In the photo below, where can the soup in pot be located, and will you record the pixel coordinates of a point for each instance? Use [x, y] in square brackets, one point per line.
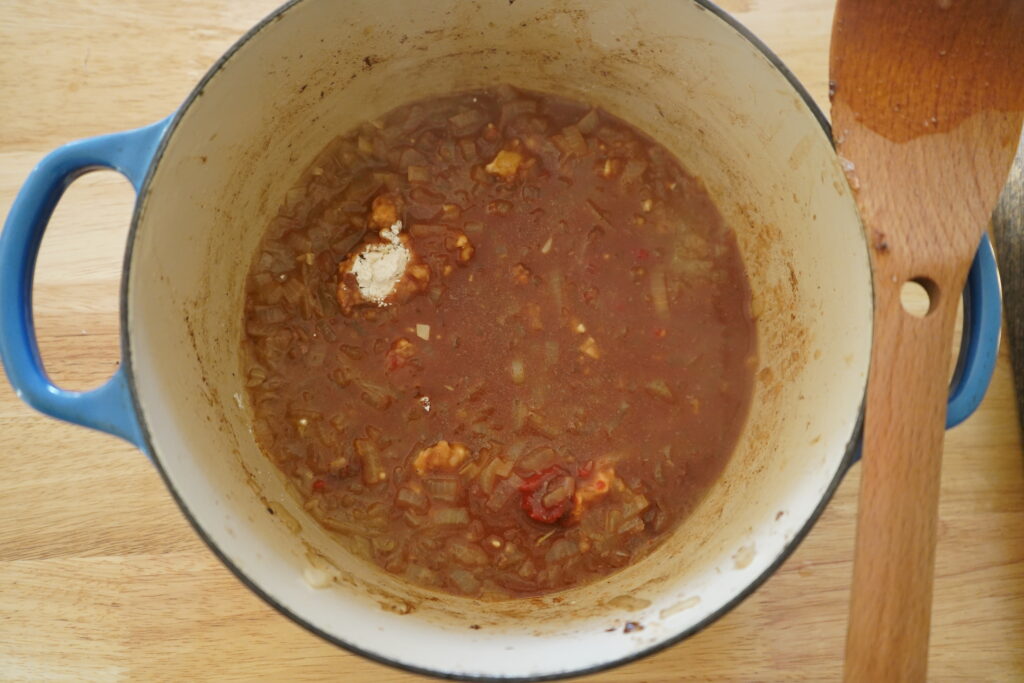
[501, 342]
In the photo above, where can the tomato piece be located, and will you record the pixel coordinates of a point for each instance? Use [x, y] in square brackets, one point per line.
[547, 495]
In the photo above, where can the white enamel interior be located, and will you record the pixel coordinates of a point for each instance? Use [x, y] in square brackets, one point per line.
[671, 67]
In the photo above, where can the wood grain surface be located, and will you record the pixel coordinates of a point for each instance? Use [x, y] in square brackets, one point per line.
[926, 165]
[101, 578]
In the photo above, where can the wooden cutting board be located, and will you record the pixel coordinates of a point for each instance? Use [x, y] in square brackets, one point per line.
[101, 577]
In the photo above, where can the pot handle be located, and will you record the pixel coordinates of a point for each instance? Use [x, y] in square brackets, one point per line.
[108, 408]
[980, 342]
[979, 345]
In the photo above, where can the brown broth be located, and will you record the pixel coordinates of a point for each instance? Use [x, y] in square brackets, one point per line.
[587, 365]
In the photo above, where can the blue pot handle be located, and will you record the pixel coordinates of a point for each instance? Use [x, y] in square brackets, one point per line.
[979, 346]
[108, 408]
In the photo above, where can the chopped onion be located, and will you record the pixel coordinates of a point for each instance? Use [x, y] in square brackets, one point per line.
[589, 347]
[561, 550]
[547, 246]
[369, 455]
[464, 581]
[519, 414]
[555, 283]
[411, 498]
[634, 505]
[599, 214]
[365, 146]
[574, 140]
[588, 124]
[449, 516]
[468, 148]
[538, 459]
[256, 376]
[488, 474]
[515, 108]
[562, 491]
[375, 395]
[420, 574]
[468, 554]
[660, 389]
[444, 489]
[518, 371]
[467, 121]
[541, 426]
[504, 467]
[503, 492]
[418, 174]
[269, 314]
[633, 171]
[632, 525]
[659, 294]
[423, 331]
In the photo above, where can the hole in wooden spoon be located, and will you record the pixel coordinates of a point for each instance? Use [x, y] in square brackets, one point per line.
[919, 296]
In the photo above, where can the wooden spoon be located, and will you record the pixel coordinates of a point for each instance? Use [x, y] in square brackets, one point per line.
[927, 102]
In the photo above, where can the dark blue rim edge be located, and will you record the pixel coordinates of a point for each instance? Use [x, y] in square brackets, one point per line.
[126, 354]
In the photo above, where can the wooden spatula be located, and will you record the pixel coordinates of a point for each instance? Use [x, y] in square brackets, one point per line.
[927, 102]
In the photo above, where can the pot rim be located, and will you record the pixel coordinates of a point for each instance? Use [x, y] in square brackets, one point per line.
[147, 443]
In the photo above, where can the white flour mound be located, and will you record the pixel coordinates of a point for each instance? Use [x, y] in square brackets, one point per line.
[379, 267]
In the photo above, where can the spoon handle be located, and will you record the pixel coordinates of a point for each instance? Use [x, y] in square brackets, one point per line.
[890, 611]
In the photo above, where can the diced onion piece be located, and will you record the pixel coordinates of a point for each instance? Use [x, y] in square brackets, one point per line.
[588, 124]
[490, 473]
[514, 108]
[589, 348]
[634, 505]
[555, 282]
[468, 554]
[467, 120]
[518, 371]
[632, 525]
[449, 516]
[418, 174]
[541, 425]
[659, 294]
[633, 170]
[660, 389]
[547, 246]
[468, 148]
[443, 489]
[574, 140]
[561, 550]
[423, 331]
[504, 467]
[411, 498]
[504, 492]
[464, 581]
[369, 454]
